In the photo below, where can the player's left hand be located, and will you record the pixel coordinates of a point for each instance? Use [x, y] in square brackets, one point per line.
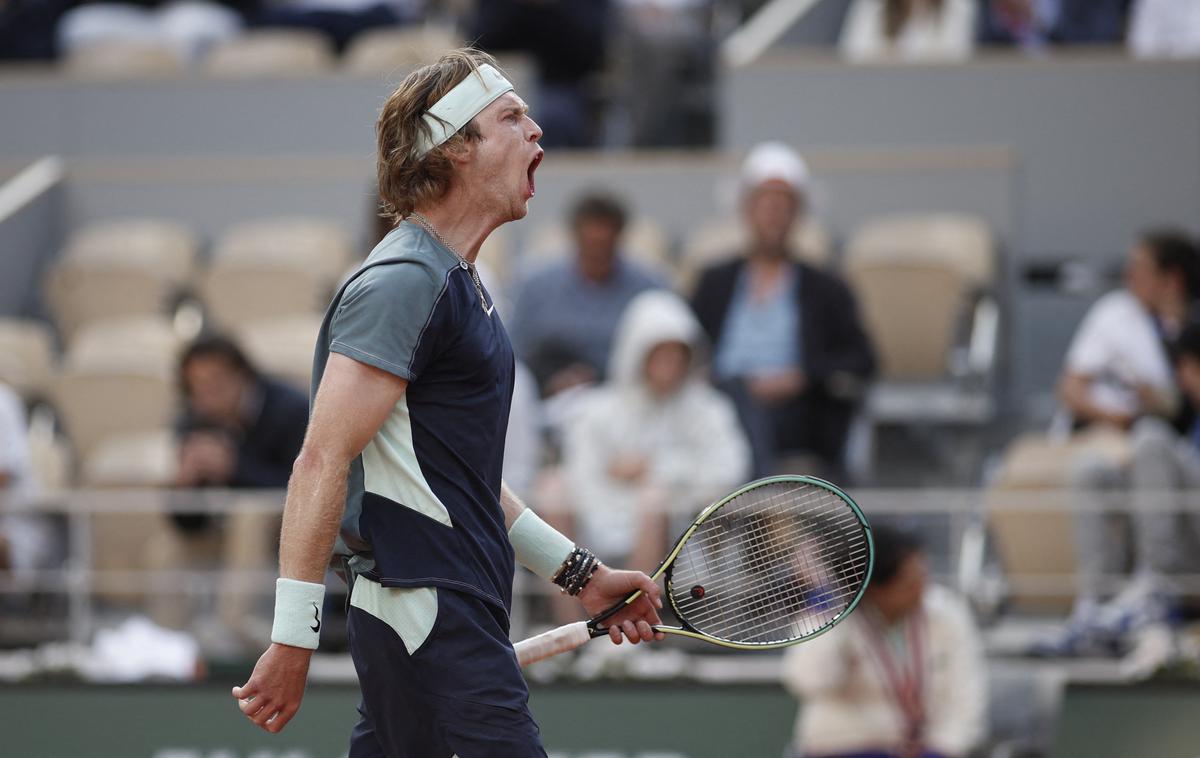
[609, 587]
[273, 693]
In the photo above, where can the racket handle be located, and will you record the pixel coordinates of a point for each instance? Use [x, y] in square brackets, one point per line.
[553, 642]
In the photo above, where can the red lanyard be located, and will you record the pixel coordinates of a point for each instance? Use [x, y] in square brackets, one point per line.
[908, 687]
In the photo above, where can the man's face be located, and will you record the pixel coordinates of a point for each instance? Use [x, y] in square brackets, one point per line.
[667, 367]
[1143, 277]
[503, 162]
[902, 595]
[771, 209]
[215, 388]
[596, 247]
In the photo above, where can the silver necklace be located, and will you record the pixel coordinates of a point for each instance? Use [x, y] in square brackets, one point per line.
[425, 224]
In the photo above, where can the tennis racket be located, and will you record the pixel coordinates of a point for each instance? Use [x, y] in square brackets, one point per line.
[777, 562]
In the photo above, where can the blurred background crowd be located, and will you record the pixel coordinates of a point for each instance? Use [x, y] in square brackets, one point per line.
[940, 252]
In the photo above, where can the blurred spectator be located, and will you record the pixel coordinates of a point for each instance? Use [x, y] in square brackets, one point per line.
[238, 430]
[568, 40]
[1165, 29]
[187, 27]
[27, 540]
[789, 346]
[1118, 379]
[903, 677]
[654, 439]
[27, 28]
[1117, 367]
[566, 314]
[339, 20]
[909, 29]
[1033, 24]
[666, 71]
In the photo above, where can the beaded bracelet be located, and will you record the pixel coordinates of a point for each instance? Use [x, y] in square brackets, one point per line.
[576, 571]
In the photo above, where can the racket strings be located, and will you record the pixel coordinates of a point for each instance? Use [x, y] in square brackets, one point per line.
[776, 563]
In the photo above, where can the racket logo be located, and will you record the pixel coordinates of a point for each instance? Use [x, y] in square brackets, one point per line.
[697, 592]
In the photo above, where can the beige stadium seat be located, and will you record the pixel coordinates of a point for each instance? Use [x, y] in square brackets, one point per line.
[643, 241]
[116, 378]
[26, 357]
[235, 295]
[271, 52]
[80, 293]
[915, 277]
[134, 459]
[309, 244]
[1036, 546]
[156, 245]
[140, 340]
[121, 60]
[389, 51]
[283, 347]
[725, 238]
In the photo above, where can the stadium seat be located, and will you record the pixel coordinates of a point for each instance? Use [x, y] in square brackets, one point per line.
[643, 241]
[302, 243]
[119, 269]
[916, 277]
[236, 294]
[117, 377]
[716, 240]
[283, 347]
[924, 283]
[271, 52]
[157, 245]
[136, 459]
[1036, 548]
[395, 51]
[26, 357]
[121, 60]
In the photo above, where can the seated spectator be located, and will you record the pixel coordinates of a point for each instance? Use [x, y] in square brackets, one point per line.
[789, 346]
[189, 28]
[1034, 24]
[903, 677]
[1165, 29]
[655, 438]
[27, 541]
[568, 41]
[1119, 381]
[909, 29]
[1117, 367]
[239, 430]
[566, 313]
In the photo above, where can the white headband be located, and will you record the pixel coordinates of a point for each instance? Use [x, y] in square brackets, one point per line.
[460, 105]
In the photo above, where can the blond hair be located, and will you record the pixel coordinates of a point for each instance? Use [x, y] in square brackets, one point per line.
[407, 182]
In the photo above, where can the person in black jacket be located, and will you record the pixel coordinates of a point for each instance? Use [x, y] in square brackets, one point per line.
[788, 343]
[238, 430]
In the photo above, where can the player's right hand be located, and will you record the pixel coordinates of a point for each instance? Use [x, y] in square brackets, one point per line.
[272, 695]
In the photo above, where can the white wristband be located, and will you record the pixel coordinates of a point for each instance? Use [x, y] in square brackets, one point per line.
[297, 613]
[539, 547]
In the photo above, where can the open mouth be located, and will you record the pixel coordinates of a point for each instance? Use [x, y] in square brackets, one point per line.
[537, 159]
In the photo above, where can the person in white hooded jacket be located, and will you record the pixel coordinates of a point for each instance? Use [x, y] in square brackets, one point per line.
[655, 439]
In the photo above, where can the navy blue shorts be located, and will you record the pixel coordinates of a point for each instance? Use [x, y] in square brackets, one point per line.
[461, 693]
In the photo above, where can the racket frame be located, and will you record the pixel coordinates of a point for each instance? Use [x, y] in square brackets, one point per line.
[667, 565]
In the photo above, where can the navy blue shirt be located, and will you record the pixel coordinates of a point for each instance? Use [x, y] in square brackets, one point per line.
[423, 499]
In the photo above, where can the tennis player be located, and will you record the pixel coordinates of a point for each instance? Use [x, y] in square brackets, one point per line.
[413, 376]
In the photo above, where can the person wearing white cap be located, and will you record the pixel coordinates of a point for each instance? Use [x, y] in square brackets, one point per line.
[413, 379]
[789, 345]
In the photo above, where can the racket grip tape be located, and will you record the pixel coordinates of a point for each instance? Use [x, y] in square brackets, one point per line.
[551, 643]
